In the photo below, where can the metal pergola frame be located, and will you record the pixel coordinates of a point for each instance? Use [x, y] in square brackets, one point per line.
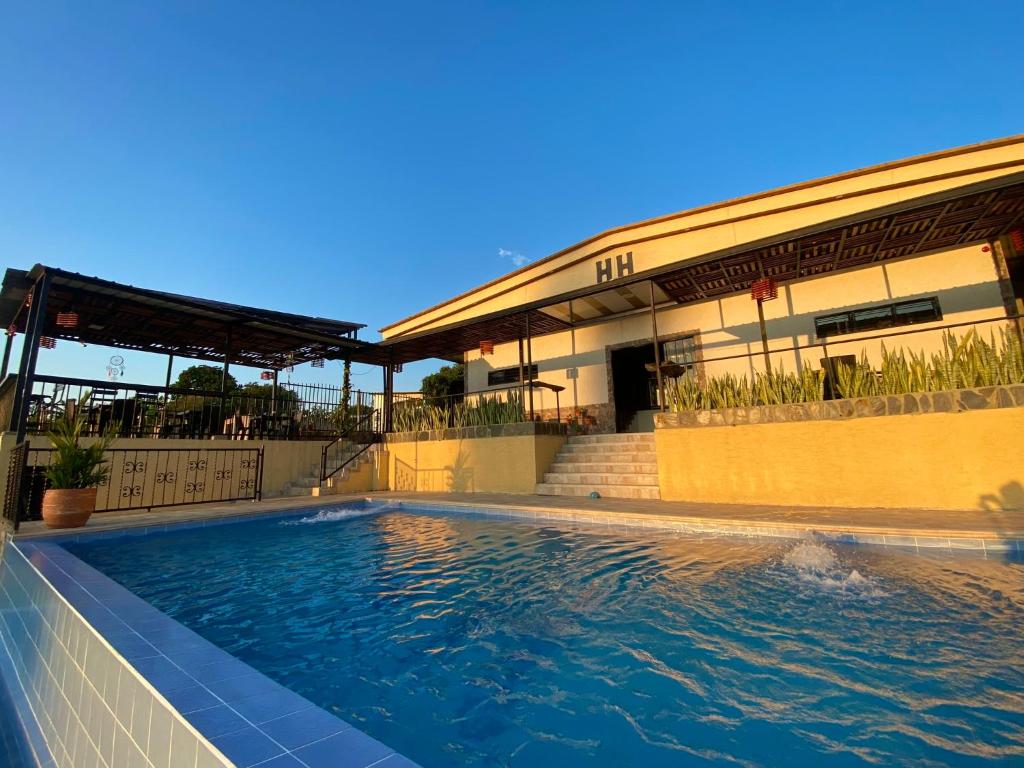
[126, 317]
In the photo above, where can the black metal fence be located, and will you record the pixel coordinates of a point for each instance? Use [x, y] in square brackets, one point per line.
[144, 478]
[255, 412]
[979, 353]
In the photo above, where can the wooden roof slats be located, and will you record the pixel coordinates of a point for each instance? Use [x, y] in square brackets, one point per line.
[125, 317]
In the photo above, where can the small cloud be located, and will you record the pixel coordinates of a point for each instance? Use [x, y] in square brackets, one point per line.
[515, 257]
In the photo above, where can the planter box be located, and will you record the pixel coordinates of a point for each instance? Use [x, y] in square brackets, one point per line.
[951, 401]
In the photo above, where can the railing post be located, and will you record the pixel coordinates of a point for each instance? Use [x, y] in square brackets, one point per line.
[259, 474]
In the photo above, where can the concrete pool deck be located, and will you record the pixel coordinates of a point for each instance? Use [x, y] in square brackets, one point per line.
[994, 529]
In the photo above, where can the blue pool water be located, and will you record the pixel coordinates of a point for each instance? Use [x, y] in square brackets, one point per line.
[462, 640]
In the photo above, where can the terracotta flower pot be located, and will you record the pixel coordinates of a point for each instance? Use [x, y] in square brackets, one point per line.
[68, 507]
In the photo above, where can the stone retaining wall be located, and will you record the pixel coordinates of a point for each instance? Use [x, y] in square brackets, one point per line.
[469, 433]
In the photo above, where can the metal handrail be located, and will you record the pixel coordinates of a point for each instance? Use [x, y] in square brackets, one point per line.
[856, 337]
[356, 427]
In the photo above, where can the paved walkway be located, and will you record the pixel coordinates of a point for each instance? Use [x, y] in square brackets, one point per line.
[979, 529]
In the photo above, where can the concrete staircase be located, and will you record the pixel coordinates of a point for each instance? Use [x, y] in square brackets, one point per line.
[310, 485]
[618, 466]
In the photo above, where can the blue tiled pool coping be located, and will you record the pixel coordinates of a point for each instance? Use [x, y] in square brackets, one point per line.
[250, 718]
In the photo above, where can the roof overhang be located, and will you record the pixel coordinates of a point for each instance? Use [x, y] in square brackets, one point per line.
[123, 316]
[968, 214]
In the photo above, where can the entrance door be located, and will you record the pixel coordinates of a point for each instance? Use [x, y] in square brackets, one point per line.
[631, 382]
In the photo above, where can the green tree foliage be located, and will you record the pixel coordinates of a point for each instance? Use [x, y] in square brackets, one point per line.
[204, 377]
[437, 387]
[257, 389]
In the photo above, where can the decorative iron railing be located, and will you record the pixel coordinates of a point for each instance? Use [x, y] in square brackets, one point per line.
[13, 497]
[145, 478]
[289, 412]
[414, 412]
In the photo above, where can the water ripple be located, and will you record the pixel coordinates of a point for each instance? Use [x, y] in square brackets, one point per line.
[477, 642]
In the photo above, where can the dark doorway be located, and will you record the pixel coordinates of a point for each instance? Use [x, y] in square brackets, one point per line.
[631, 382]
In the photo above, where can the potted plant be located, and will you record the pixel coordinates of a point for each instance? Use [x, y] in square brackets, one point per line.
[74, 473]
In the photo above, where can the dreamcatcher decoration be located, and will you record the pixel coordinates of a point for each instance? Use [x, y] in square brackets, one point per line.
[115, 368]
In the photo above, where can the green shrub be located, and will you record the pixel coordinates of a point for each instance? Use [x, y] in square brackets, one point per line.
[963, 363]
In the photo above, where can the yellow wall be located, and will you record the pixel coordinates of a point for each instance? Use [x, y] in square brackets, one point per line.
[474, 465]
[968, 460]
[369, 475]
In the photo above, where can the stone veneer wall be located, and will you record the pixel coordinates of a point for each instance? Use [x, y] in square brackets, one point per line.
[90, 705]
[952, 401]
[471, 433]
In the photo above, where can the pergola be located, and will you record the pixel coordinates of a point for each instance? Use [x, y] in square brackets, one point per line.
[48, 303]
[975, 213]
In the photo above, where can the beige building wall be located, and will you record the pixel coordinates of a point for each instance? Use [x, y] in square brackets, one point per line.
[964, 280]
[666, 240]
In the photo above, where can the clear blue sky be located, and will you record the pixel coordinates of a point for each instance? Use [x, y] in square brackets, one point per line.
[366, 160]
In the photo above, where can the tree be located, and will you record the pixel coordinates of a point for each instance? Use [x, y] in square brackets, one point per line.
[442, 385]
[206, 378]
[257, 389]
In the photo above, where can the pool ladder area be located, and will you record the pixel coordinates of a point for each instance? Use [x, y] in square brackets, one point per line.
[623, 466]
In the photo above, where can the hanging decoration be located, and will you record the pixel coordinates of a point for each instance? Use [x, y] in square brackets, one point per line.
[115, 368]
[67, 319]
[764, 289]
[47, 342]
[1017, 240]
[267, 375]
[319, 363]
[487, 347]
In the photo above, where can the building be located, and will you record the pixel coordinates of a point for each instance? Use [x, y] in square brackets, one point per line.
[930, 241]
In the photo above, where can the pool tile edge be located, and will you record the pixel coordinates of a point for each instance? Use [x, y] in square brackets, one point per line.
[161, 654]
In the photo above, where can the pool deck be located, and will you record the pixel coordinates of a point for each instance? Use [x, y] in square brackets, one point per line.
[968, 529]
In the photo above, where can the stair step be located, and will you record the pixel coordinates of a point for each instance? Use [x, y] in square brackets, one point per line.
[577, 478]
[608, 491]
[601, 468]
[631, 447]
[605, 458]
[631, 437]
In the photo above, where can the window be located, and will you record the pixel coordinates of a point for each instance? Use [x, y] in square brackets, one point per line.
[882, 316]
[509, 375]
[679, 351]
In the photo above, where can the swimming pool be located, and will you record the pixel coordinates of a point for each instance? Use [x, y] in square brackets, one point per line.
[460, 639]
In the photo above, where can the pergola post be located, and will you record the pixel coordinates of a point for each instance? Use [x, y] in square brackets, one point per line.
[572, 341]
[30, 354]
[764, 337]
[167, 381]
[522, 375]
[657, 351]
[529, 362]
[7, 356]
[273, 395]
[224, 379]
[389, 395]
